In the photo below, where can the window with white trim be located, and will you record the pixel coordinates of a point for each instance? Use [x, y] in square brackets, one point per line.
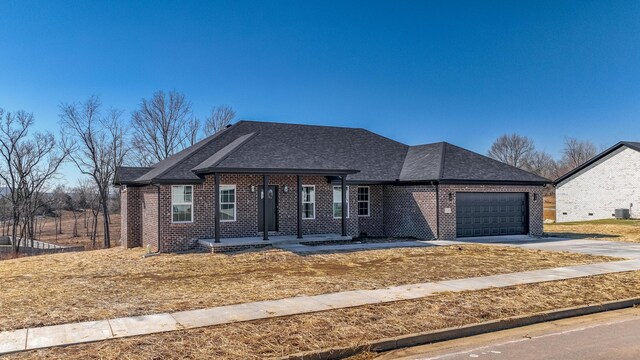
[363, 201]
[227, 203]
[337, 202]
[182, 203]
[308, 201]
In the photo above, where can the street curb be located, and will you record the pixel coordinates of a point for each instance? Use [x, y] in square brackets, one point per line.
[403, 341]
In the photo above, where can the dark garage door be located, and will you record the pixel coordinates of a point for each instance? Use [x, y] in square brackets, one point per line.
[485, 214]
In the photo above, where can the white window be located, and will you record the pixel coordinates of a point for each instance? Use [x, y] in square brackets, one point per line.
[227, 203]
[337, 202]
[182, 203]
[308, 202]
[363, 201]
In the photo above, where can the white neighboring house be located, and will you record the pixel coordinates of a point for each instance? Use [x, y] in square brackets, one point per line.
[609, 181]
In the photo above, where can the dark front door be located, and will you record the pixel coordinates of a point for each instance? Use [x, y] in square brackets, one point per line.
[272, 208]
[486, 214]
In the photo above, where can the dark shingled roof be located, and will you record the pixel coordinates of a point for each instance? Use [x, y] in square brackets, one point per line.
[265, 152]
[630, 144]
[267, 147]
[423, 162]
[444, 162]
[463, 165]
[128, 174]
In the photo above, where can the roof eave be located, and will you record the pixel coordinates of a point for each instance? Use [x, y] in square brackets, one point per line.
[267, 171]
[592, 161]
[494, 182]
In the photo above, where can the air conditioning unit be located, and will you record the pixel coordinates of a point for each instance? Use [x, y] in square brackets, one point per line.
[622, 214]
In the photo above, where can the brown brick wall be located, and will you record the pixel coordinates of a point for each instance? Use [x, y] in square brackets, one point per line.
[410, 211]
[396, 211]
[125, 240]
[246, 223]
[131, 217]
[149, 217]
[448, 221]
[184, 236]
[373, 225]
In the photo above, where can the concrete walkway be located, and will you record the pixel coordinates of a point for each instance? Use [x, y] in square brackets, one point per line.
[625, 250]
[76, 333]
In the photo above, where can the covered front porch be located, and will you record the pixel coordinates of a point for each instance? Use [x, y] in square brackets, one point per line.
[280, 208]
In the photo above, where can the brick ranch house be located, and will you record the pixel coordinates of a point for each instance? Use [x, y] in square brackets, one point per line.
[215, 189]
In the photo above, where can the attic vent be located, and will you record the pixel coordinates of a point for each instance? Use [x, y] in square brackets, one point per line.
[590, 214]
[564, 213]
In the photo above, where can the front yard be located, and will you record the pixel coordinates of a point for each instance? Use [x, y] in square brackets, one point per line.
[608, 229]
[282, 336]
[63, 288]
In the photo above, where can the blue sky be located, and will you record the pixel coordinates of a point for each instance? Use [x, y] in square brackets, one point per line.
[419, 72]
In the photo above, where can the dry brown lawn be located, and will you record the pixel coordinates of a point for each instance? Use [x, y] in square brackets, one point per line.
[609, 229]
[62, 288]
[281, 336]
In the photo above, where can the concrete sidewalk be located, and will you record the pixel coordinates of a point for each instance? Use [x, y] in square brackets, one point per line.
[76, 333]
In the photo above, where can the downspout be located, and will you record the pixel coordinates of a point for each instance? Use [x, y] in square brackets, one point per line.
[437, 210]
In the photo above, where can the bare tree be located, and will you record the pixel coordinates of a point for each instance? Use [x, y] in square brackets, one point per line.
[543, 164]
[90, 200]
[512, 149]
[98, 147]
[576, 152]
[27, 164]
[220, 117]
[162, 126]
[193, 131]
[58, 202]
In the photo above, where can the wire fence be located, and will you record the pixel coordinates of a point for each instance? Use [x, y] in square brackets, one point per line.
[37, 247]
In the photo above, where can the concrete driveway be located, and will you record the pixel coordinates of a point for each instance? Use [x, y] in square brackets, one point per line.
[593, 247]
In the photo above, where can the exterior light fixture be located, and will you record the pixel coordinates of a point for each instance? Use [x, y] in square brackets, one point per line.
[286, 189]
[450, 197]
[253, 188]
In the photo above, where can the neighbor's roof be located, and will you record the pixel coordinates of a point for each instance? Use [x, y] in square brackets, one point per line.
[266, 147]
[630, 144]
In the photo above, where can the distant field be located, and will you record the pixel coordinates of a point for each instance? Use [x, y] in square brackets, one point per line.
[66, 238]
[550, 208]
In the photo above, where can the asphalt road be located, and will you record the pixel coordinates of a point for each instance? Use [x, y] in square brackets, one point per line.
[610, 335]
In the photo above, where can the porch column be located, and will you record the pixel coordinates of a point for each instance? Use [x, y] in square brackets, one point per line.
[265, 213]
[344, 206]
[216, 206]
[299, 206]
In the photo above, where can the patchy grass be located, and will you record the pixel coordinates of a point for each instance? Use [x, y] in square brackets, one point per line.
[606, 229]
[62, 288]
[281, 336]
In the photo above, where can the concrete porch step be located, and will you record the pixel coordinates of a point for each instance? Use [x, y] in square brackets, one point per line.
[234, 244]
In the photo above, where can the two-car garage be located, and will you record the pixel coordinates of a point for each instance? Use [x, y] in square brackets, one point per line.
[491, 213]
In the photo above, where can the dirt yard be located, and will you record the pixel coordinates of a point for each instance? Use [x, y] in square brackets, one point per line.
[62, 288]
[609, 229]
[288, 335]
